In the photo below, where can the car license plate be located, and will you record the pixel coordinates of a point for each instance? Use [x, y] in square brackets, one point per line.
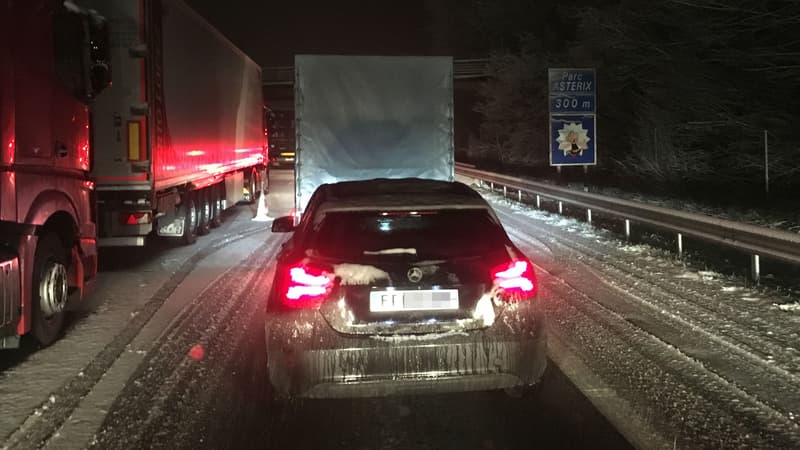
[417, 300]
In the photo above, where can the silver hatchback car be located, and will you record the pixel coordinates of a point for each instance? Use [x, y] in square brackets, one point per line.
[401, 286]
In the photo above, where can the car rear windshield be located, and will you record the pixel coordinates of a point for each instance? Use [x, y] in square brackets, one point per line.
[408, 235]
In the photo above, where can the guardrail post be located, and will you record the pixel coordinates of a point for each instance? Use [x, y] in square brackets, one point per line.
[680, 244]
[505, 191]
[627, 229]
[519, 196]
[492, 185]
[589, 215]
[560, 208]
[538, 201]
[755, 267]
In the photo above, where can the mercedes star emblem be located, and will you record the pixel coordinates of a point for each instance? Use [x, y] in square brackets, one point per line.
[414, 274]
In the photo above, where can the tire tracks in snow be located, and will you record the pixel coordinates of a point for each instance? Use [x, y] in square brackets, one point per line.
[667, 304]
[44, 421]
[770, 415]
[147, 408]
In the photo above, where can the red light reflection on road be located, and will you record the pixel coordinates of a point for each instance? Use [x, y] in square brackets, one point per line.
[197, 352]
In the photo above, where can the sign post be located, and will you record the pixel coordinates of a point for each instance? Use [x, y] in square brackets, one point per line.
[573, 124]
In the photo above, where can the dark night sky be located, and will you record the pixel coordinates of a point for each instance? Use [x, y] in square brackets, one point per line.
[271, 32]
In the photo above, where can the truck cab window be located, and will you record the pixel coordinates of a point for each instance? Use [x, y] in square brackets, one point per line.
[68, 48]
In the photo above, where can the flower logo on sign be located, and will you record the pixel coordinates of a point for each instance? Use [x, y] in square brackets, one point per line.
[573, 139]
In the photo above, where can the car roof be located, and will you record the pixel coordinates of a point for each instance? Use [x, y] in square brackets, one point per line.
[404, 194]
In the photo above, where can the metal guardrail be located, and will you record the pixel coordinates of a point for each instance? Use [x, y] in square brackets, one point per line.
[753, 239]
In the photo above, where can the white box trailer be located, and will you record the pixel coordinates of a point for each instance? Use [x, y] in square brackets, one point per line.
[180, 133]
[364, 117]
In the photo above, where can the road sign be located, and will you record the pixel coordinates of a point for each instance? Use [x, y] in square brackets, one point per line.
[573, 140]
[572, 81]
[573, 104]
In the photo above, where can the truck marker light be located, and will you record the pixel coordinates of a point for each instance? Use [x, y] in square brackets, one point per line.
[10, 150]
[83, 155]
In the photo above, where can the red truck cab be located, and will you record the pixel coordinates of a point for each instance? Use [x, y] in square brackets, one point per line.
[53, 60]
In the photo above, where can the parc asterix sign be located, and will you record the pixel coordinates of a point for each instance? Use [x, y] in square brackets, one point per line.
[573, 127]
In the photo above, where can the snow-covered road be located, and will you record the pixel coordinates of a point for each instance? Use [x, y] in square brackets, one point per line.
[704, 359]
[169, 353]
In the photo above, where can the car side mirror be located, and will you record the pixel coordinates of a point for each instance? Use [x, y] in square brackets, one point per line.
[283, 224]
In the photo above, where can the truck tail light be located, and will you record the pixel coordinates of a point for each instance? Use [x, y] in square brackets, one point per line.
[306, 287]
[516, 277]
[136, 218]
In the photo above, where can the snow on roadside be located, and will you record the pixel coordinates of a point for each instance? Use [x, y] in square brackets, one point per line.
[754, 301]
[634, 248]
[704, 275]
[780, 220]
[789, 307]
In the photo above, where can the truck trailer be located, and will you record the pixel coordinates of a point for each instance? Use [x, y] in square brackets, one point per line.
[180, 134]
[54, 62]
[363, 117]
[174, 140]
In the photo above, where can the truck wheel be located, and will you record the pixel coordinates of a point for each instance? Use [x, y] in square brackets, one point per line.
[204, 218]
[188, 210]
[216, 207]
[50, 289]
[251, 187]
[223, 197]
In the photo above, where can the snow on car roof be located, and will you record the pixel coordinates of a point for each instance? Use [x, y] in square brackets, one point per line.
[405, 194]
[395, 185]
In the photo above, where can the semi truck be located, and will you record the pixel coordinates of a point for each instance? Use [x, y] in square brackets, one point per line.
[54, 62]
[85, 162]
[180, 133]
[362, 117]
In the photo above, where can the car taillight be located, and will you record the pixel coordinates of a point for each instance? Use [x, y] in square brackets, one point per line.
[307, 287]
[515, 277]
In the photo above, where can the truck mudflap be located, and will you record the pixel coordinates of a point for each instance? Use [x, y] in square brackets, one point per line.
[83, 269]
[171, 227]
[9, 299]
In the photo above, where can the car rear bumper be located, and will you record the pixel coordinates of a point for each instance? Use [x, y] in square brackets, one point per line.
[306, 358]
